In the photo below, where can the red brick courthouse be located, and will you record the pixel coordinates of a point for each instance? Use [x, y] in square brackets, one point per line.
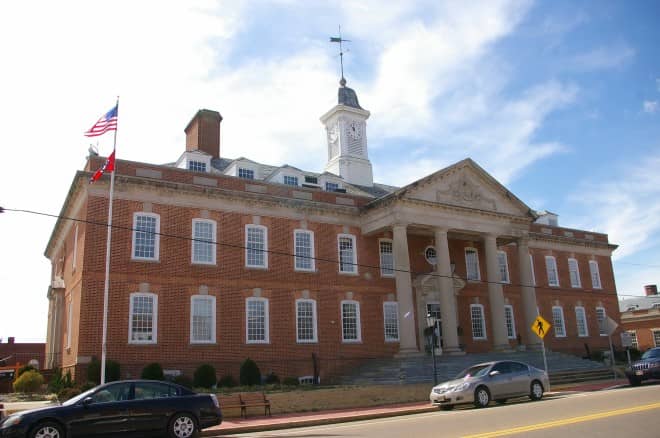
[214, 260]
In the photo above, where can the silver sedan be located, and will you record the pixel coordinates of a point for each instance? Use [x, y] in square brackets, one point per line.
[499, 381]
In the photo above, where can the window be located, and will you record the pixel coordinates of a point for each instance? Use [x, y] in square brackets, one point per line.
[430, 255]
[472, 264]
[153, 390]
[256, 246]
[203, 244]
[503, 266]
[143, 318]
[510, 322]
[656, 338]
[558, 321]
[197, 166]
[146, 236]
[311, 179]
[245, 173]
[303, 250]
[386, 258]
[331, 186]
[551, 270]
[655, 306]
[347, 257]
[350, 321]
[290, 180]
[581, 321]
[600, 317]
[256, 321]
[306, 321]
[595, 274]
[633, 339]
[574, 273]
[478, 323]
[391, 318]
[531, 266]
[202, 319]
[69, 324]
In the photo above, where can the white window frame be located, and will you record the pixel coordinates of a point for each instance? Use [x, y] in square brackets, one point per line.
[289, 180]
[264, 251]
[633, 339]
[352, 265]
[334, 185]
[431, 260]
[581, 315]
[503, 267]
[510, 321]
[154, 318]
[595, 275]
[386, 266]
[156, 256]
[391, 323]
[210, 298]
[358, 326]
[314, 339]
[551, 270]
[600, 311]
[196, 166]
[69, 324]
[574, 273]
[299, 257]
[559, 325]
[470, 275]
[481, 322]
[212, 242]
[531, 265]
[266, 318]
[246, 171]
[654, 333]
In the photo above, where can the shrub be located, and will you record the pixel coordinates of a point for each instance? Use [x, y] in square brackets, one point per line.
[183, 380]
[153, 371]
[291, 381]
[112, 371]
[25, 368]
[227, 381]
[250, 374]
[272, 378]
[28, 382]
[67, 393]
[204, 376]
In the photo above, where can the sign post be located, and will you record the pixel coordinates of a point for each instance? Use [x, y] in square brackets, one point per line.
[608, 325]
[626, 341]
[540, 328]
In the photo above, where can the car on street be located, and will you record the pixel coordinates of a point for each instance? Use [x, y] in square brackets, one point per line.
[127, 407]
[647, 367]
[498, 380]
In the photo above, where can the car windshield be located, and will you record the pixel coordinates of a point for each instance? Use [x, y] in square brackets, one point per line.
[474, 371]
[76, 399]
[651, 354]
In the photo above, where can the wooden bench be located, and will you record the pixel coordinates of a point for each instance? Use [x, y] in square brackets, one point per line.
[244, 401]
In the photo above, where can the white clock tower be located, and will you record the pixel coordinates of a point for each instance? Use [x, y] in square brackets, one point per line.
[346, 128]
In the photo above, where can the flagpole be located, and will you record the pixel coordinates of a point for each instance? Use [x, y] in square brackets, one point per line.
[106, 285]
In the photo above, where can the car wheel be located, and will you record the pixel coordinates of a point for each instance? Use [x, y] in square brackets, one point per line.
[183, 425]
[634, 381]
[481, 397]
[447, 407]
[500, 401]
[536, 390]
[47, 429]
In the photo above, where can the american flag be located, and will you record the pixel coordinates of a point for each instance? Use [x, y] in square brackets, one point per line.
[108, 166]
[106, 123]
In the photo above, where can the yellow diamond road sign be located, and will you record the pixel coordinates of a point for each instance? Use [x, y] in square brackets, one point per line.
[541, 327]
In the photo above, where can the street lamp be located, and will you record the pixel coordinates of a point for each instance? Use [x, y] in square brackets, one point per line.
[430, 321]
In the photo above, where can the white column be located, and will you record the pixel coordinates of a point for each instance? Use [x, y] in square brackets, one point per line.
[495, 295]
[528, 295]
[404, 293]
[447, 301]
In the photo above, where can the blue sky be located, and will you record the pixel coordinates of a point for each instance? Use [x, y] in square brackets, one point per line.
[557, 100]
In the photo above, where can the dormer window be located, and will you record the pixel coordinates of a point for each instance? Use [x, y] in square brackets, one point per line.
[290, 180]
[331, 187]
[245, 173]
[196, 166]
[311, 180]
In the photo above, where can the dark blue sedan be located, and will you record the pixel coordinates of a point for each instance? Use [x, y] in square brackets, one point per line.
[136, 407]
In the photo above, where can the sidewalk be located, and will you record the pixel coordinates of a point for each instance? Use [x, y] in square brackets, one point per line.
[256, 424]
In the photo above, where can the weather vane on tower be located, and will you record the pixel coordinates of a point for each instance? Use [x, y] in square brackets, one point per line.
[341, 54]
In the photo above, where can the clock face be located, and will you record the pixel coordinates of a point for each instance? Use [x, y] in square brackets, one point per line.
[355, 130]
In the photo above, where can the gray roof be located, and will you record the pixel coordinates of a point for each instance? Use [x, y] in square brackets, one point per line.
[347, 96]
[639, 303]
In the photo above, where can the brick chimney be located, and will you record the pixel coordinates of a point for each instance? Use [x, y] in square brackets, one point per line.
[203, 132]
[10, 340]
[651, 289]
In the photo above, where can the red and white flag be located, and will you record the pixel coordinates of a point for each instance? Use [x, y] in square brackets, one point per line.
[108, 166]
[106, 123]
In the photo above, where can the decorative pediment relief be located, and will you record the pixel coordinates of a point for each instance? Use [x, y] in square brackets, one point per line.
[466, 193]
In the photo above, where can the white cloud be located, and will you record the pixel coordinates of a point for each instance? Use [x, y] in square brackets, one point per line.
[605, 57]
[650, 106]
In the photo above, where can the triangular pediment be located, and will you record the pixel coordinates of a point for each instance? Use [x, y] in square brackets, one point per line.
[466, 184]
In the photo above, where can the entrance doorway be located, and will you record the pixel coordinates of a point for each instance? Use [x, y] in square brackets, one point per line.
[433, 310]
